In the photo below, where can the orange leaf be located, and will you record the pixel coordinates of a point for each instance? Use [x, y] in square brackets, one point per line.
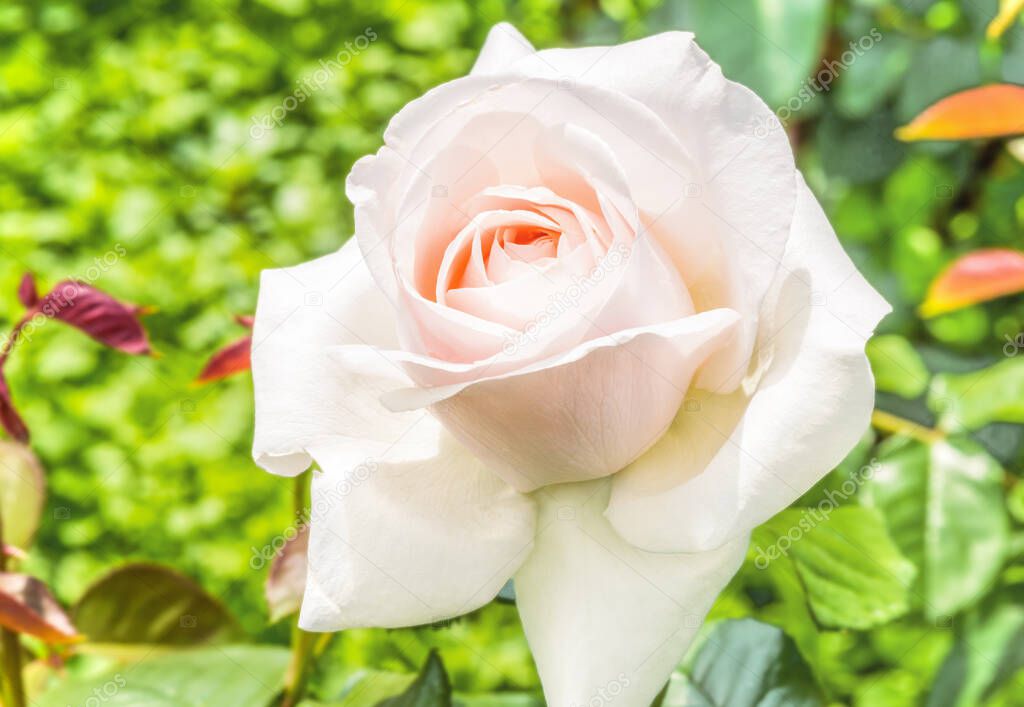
[26, 606]
[976, 277]
[231, 359]
[988, 111]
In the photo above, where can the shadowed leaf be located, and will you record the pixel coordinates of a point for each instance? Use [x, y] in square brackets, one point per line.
[151, 604]
[26, 606]
[286, 582]
[976, 277]
[988, 111]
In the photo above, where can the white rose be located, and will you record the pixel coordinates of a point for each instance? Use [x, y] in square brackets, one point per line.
[592, 329]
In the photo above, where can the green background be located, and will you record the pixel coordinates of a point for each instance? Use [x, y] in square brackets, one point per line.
[129, 127]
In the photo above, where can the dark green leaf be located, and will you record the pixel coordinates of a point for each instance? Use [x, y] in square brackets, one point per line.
[988, 651]
[746, 663]
[431, 688]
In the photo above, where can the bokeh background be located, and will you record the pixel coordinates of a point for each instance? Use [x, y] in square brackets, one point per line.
[159, 131]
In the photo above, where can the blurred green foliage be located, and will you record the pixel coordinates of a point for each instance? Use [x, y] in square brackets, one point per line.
[142, 126]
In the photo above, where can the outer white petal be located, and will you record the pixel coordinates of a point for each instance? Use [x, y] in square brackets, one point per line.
[608, 623]
[416, 532]
[301, 312]
[504, 45]
[728, 232]
[720, 471]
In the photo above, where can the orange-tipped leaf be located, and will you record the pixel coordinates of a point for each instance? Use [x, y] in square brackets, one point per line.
[976, 277]
[984, 112]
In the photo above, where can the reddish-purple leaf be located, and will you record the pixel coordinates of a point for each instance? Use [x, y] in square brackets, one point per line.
[27, 293]
[286, 582]
[9, 417]
[26, 606]
[245, 320]
[231, 359]
[99, 315]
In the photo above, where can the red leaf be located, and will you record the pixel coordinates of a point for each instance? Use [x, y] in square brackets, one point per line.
[987, 111]
[231, 359]
[286, 582]
[26, 606]
[99, 315]
[245, 320]
[976, 277]
[27, 293]
[9, 417]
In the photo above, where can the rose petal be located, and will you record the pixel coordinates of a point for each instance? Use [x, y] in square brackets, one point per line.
[415, 532]
[726, 238]
[299, 399]
[503, 46]
[603, 618]
[586, 413]
[722, 470]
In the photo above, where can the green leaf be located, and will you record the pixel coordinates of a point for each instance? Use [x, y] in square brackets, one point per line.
[22, 493]
[142, 603]
[368, 688]
[225, 675]
[943, 504]
[898, 368]
[771, 47]
[859, 151]
[972, 400]
[431, 688]
[988, 651]
[746, 663]
[854, 575]
[868, 81]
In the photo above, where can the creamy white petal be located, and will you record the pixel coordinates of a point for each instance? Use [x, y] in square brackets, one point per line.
[302, 311]
[415, 532]
[504, 45]
[722, 469]
[726, 228]
[606, 621]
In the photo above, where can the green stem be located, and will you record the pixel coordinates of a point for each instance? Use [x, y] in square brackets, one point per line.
[14, 687]
[302, 641]
[894, 424]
